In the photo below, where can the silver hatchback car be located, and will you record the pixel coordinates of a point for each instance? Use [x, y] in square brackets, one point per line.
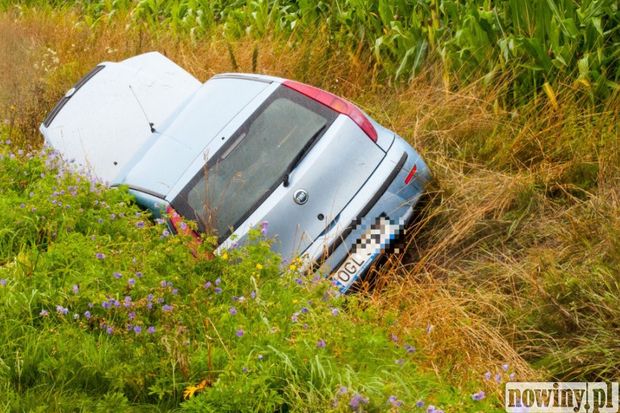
[333, 186]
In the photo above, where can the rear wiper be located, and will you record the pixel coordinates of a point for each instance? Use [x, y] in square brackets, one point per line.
[302, 153]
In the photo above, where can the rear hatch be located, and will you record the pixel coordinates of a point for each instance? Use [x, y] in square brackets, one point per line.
[294, 165]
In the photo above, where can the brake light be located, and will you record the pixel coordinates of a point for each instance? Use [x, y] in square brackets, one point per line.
[411, 174]
[338, 104]
[177, 223]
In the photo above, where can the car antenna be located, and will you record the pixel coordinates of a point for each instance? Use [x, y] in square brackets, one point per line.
[151, 124]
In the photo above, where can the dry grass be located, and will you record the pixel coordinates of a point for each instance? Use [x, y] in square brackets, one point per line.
[524, 209]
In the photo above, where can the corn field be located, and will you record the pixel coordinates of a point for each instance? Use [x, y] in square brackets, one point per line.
[530, 43]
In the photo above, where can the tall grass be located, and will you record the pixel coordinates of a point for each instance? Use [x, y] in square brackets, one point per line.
[515, 256]
[104, 310]
[531, 42]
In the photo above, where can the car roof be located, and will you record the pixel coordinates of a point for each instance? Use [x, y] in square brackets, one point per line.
[250, 76]
[193, 130]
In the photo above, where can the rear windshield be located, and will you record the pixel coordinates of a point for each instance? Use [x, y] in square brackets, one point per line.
[253, 162]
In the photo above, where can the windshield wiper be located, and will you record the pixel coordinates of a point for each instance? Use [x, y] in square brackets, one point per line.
[302, 153]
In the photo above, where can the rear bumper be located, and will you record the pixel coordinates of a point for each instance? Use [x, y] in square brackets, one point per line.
[384, 194]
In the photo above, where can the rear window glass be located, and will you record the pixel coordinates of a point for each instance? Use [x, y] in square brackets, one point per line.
[253, 162]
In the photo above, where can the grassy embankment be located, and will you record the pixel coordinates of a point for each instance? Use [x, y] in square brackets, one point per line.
[515, 258]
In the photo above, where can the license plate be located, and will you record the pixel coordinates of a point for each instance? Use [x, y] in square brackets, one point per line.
[371, 244]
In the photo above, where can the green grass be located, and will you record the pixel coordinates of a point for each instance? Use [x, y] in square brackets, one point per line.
[84, 275]
[514, 258]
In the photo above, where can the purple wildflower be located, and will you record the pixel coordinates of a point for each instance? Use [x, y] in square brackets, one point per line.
[109, 330]
[232, 311]
[393, 400]
[264, 227]
[131, 315]
[140, 224]
[139, 274]
[100, 255]
[117, 275]
[207, 285]
[137, 329]
[343, 390]
[505, 367]
[131, 282]
[218, 290]
[62, 310]
[487, 375]
[400, 362]
[512, 376]
[335, 311]
[409, 348]
[431, 409]
[105, 304]
[253, 295]
[419, 403]
[2, 282]
[357, 400]
[429, 328]
[166, 307]
[163, 283]
[295, 317]
[299, 281]
[394, 338]
[218, 281]
[165, 233]
[87, 315]
[150, 330]
[321, 343]
[175, 291]
[44, 313]
[498, 378]
[478, 396]
[304, 310]
[239, 333]
[75, 289]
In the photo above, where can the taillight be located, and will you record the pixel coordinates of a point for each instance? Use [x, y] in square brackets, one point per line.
[411, 174]
[338, 104]
[177, 223]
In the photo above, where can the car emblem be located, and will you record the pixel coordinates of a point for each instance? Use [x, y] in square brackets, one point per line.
[300, 196]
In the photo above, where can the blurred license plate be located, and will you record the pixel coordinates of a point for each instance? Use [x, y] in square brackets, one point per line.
[371, 244]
